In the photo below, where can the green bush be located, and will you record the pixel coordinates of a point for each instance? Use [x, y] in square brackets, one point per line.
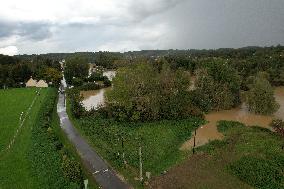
[75, 99]
[260, 97]
[71, 169]
[77, 82]
[224, 126]
[89, 86]
[259, 172]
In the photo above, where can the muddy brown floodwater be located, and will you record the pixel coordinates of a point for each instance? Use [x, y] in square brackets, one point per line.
[209, 131]
[93, 98]
[96, 98]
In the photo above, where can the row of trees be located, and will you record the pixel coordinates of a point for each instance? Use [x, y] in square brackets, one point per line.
[76, 71]
[14, 72]
[151, 91]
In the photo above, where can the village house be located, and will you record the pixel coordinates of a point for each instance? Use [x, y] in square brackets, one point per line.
[33, 83]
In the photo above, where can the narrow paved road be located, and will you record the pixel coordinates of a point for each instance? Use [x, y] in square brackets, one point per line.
[102, 173]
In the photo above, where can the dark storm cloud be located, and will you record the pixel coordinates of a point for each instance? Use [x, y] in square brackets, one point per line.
[230, 23]
[29, 30]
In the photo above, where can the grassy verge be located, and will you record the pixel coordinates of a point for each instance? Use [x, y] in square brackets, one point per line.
[51, 163]
[160, 143]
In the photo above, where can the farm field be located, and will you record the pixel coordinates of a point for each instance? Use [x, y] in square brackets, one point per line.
[15, 169]
[40, 157]
[248, 157]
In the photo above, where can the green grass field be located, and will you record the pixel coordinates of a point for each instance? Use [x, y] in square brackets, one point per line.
[160, 143]
[15, 170]
[13, 102]
[36, 159]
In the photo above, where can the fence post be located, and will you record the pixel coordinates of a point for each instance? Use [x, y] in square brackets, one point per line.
[140, 160]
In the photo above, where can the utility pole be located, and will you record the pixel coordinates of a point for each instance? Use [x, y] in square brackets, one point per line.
[193, 149]
[140, 161]
[123, 154]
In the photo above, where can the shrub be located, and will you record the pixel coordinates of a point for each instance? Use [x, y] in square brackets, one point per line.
[77, 82]
[278, 126]
[258, 172]
[224, 126]
[106, 81]
[260, 97]
[89, 86]
[75, 102]
[71, 169]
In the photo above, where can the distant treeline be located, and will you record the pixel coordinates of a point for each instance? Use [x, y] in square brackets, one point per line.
[247, 61]
[15, 71]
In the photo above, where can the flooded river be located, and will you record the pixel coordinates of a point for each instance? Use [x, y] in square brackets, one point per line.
[209, 131]
[110, 74]
[95, 98]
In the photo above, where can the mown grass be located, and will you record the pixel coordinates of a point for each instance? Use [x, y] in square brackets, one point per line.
[254, 154]
[37, 157]
[12, 103]
[160, 142]
[15, 169]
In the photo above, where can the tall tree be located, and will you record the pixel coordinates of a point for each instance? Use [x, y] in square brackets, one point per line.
[260, 96]
[76, 67]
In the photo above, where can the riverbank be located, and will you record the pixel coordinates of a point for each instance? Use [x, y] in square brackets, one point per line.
[209, 132]
[247, 157]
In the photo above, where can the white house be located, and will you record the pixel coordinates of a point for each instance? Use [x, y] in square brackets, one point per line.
[41, 83]
[33, 83]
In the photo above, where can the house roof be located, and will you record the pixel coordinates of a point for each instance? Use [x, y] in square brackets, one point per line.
[31, 83]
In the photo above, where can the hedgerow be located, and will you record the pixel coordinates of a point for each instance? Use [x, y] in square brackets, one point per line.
[48, 155]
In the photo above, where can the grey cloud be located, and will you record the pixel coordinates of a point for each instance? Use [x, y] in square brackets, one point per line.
[184, 24]
[230, 23]
[29, 30]
[141, 9]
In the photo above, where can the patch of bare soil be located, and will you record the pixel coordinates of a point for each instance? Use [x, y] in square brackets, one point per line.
[199, 171]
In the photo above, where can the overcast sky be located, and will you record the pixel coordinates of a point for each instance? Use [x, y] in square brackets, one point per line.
[42, 26]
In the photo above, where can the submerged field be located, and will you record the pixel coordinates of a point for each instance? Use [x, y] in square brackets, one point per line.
[37, 158]
[248, 157]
